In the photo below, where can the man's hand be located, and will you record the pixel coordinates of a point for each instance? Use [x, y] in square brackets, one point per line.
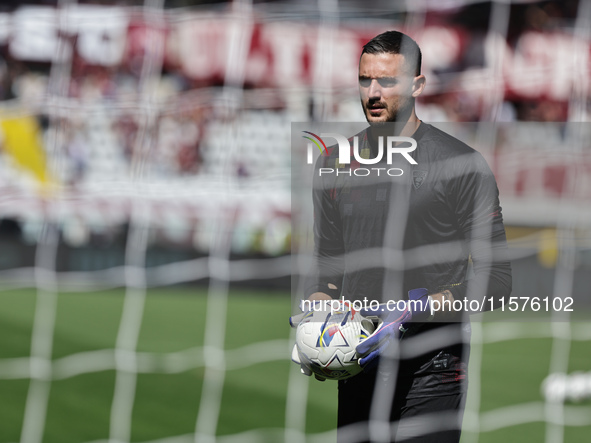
[392, 324]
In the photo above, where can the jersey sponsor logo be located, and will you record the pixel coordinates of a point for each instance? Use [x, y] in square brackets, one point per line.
[418, 177]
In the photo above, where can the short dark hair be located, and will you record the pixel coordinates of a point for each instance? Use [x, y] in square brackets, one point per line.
[394, 42]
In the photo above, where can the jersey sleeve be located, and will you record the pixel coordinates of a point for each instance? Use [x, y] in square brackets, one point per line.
[475, 198]
[328, 265]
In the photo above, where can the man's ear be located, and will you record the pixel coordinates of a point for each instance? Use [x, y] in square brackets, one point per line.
[418, 84]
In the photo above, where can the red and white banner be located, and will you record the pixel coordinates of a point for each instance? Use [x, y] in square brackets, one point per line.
[216, 48]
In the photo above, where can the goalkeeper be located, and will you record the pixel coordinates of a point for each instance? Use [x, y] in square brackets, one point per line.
[443, 213]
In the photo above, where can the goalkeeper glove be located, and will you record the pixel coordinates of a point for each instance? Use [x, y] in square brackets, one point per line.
[392, 324]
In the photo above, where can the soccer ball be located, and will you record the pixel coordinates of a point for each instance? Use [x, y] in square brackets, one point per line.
[326, 342]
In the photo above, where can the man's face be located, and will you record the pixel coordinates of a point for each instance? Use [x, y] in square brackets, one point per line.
[387, 87]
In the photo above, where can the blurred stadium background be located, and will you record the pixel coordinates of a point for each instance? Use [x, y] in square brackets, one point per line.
[145, 208]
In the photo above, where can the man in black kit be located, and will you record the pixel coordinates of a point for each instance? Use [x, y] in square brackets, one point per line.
[382, 236]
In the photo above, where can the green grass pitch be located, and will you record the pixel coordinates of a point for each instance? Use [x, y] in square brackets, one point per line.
[254, 397]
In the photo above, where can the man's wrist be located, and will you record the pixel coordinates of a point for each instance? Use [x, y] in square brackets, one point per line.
[319, 296]
[442, 305]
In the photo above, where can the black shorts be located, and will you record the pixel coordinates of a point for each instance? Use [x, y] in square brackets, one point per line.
[403, 411]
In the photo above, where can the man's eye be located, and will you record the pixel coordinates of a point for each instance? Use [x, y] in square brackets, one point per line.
[364, 82]
[386, 82]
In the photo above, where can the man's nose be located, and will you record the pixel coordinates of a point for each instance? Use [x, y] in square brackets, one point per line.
[374, 90]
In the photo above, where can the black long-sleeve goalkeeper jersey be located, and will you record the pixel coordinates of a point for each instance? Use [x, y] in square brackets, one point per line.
[411, 226]
[425, 219]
